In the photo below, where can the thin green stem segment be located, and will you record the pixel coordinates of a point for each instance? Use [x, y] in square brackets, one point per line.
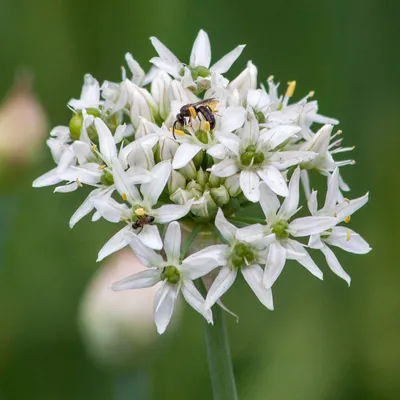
[219, 354]
[189, 241]
[247, 220]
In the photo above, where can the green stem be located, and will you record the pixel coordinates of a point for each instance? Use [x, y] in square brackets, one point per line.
[190, 240]
[247, 220]
[219, 355]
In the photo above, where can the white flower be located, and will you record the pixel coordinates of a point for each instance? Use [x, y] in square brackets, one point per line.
[90, 95]
[279, 221]
[200, 57]
[257, 156]
[176, 276]
[141, 205]
[244, 257]
[339, 236]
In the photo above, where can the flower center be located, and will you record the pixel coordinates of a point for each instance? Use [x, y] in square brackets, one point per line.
[242, 255]
[171, 274]
[279, 228]
[251, 155]
[107, 179]
[196, 72]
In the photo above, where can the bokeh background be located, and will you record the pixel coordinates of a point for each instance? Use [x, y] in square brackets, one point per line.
[324, 341]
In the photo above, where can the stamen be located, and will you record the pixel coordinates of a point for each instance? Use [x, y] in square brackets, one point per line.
[124, 219]
[139, 212]
[348, 237]
[178, 132]
[94, 148]
[343, 149]
[101, 167]
[345, 162]
[78, 182]
[291, 88]
[311, 94]
[347, 219]
[193, 112]
[270, 78]
[124, 196]
[206, 126]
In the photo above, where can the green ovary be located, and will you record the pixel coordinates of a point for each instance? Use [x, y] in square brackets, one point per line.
[171, 274]
[280, 228]
[242, 254]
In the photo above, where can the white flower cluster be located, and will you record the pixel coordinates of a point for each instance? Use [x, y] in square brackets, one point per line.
[183, 143]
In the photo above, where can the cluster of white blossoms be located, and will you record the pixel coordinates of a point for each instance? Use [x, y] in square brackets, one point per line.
[158, 162]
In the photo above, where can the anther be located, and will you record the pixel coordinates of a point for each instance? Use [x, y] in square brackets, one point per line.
[348, 237]
[206, 126]
[101, 167]
[193, 112]
[78, 182]
[94, 148]
[291, 88]
[347, 219]
[124, 196]
[178, 132]
[139, 212]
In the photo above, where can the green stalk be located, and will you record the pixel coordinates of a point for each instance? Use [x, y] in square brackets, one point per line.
[219, 355]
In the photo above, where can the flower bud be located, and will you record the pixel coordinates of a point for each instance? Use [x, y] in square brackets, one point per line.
[195, 185]
[167, 148]
[189, 171]
[159, 91]
[233, 185]
[220, 195]
[202, 177]
[198, 158]
[176, 181]
[214, 181]
[204, 206]
[181, 196]
[246, 81]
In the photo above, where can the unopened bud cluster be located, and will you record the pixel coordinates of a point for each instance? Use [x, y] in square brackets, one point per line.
[182, 146]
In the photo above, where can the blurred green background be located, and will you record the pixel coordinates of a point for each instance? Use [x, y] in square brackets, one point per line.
[324, 340]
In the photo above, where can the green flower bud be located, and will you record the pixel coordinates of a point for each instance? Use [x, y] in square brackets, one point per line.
[260, 117]
[195, 185]
[220, 195]
[202, 177]
[198, 158]
[258, 158]
[204, 206]
[246, 158]
[176, 181]
[196, 193]
[107, 178]
[202, 136]
[233, 185]
[75, 126]
[181, 196]
[171, 274]
[213, 180]
[189, 171]
[202, 71]
[242, 255]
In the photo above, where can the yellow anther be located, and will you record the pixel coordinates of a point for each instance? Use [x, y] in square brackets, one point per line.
[270, 78]
[347, 219]
[124, 219]
[335, 214]
[124, 196]
[348, 237]
[311, 94]
[102, 166]
[139, 212]
[339, 132]
[178, 132]
[94, 148]
[213, 106]
[78, 182]
[290, 89]
[193, 112]
[207, 126]
[346, 200]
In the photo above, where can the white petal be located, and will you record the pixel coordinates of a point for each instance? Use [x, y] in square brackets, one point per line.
[146, 256]
[311, 225]
[305, 180]
[334, 264]
[305, 260]
[163, 51]
[348, 240]
[124, 183]
[224, 64]
[347, 208]
[117, 242]
[227, 167]
[217, 151]
[251, 233]
[151, 191]
[184, 153]
[84, 209]
[312, 203]
[217, 252]
[71, 187]
[164, 303]
[172, 242]
[249, 183]
[142, 279]
[221, 284]
[269, 202]
[274, 179]
[290, 204]
[171, 212]
[229, 140]
[47, 179]
[276, 136]
[253, 275]
[137, 72]
[232, 119]
[107, 145]
[201, 51]
[286, 159]
[332, 193]
[197, 267]
[228, 231]
[315, 242]
[109, 208]
[150, 236]
[167, 66]
[275, 263]
[195, 299]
